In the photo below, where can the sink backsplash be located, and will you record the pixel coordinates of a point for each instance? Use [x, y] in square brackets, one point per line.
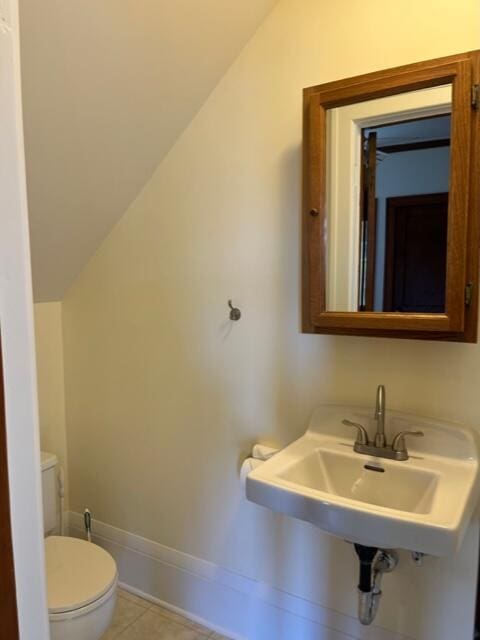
[439, 438]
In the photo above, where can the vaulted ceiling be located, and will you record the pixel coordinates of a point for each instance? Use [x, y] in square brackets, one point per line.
[107, 88]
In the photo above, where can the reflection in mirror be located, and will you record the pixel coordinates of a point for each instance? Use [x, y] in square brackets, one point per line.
[387, 202]
[403, 217]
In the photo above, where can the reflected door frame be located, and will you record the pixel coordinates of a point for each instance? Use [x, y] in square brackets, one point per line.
[351, 190]
[368, 223]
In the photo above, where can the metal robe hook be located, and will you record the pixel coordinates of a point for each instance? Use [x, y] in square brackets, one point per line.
[235, 314]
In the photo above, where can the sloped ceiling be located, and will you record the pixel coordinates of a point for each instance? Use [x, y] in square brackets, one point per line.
[107, 88]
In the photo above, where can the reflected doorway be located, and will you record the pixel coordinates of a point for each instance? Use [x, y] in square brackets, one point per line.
[404, 216]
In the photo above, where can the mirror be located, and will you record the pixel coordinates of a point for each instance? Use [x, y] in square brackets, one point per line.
[391, 202]
[388, 166]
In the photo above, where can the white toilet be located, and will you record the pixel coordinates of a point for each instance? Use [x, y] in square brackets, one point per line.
[81, 577]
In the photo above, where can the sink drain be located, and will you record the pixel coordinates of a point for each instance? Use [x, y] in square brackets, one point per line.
[370, 467]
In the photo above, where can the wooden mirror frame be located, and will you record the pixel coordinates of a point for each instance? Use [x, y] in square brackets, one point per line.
[459, 322]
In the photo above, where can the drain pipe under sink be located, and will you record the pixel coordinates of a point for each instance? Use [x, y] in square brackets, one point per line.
[373, 564]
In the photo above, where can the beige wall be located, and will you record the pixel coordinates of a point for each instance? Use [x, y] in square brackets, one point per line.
[165, 396]
[50, 379]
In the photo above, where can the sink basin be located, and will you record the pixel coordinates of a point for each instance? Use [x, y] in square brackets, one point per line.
[385, 485]
[422, 504]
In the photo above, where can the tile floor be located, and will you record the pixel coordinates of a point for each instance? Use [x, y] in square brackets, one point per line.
[137, 619]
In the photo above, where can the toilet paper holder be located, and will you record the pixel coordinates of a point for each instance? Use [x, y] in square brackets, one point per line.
[260, 454]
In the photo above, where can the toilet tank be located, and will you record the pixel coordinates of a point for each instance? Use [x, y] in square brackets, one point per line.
[49, 492]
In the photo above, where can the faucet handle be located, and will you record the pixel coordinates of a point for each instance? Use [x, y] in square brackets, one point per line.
[362, 434]
[398, 444]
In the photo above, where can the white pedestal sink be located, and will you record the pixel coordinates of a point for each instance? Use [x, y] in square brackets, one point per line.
[423, 504]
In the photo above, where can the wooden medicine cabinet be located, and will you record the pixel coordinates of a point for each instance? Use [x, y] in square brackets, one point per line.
[391, 202]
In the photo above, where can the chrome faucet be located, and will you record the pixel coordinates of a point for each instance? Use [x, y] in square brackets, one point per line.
[379, 447]
[380, 416]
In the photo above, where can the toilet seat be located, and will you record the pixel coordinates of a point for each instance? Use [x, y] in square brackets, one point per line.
[80, 575]
[87, 609]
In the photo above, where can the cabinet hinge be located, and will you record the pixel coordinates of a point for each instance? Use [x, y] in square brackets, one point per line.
[476, 96]
[468, 294]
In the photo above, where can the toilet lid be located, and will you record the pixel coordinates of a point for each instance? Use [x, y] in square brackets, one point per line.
[78, 573]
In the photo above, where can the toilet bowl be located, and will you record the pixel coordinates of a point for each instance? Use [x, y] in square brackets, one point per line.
[81, 588]
[81, 576]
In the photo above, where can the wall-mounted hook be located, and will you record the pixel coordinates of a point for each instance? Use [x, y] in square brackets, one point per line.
[235, 314]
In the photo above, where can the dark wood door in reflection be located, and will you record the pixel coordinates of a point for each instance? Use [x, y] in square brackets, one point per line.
[416, 253]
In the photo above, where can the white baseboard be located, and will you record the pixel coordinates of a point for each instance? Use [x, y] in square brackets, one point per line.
[227, 602]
